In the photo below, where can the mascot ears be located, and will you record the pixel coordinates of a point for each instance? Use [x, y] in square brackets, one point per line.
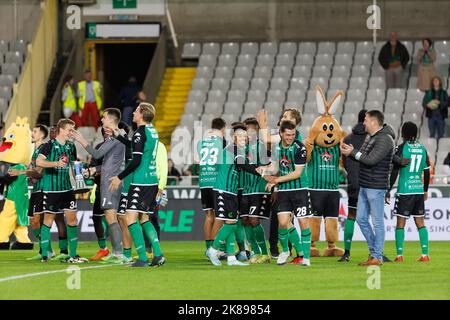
[323, 107]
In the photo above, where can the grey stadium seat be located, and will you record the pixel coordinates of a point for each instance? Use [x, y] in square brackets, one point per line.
[231, 48]
[6, 93]
[236, 96]
[324, 59]
[207, 60]
[213, 107]
[7, 80]
[322, 82]
[256, 96]
[270, 48]
[282, 72]
[341, 71]
[285, 60]
[221, 84]
[304, 59]
[279, 84]
[259, 84]
[11, 68]
[262, 72]
[191, 50]
[250, 48]
[233, 108]
[243, 72]
[239, 84]
[224, 72]
[265, 60]
[376, 95]
[326, 47]
[247, 60]
[193, 108]
[216, 96]
[363, 59]
[338, 83]
[288, 48]
[321, 71]
[377, 83]
[414, 94]
[252, 107]
[211, 48]
[356, 95]
[276, 95]
[396, 95]
[227, 60]
[18, 45]
[197, 96]
[200, 84]
[358, 83]
[14, 57]
[393, 107]
[344, 59]
[352, 107]
[299, 83]
[345, 47]
[307, 47]
[373, 105]
[364, 47]
[302, 72]
[204, 72]
[4, 46]
[360, 71]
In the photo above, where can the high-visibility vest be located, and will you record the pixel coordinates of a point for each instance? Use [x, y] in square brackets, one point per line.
[82, 93]
[70, 101]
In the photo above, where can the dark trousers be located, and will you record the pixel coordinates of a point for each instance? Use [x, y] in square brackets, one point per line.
[436, 125]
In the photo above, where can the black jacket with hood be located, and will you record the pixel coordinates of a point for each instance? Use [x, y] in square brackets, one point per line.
[356, 138]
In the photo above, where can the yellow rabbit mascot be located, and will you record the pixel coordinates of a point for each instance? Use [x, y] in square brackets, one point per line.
[15, 153]
[323, 157]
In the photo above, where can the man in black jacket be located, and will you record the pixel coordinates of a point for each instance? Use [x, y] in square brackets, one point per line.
[375, 157]
[393, 58]
[356, 138]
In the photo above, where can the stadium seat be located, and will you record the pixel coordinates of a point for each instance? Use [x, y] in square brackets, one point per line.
[322, 82]
[285, 59]
[341, 71]
[349, 119]
[324, 59]
[11, 68]
[193, 108]
[213, 107]
[262, 72]
[282, 72]
[444, 145]
[393, 107]
[221, 84]
[236, 96]
[413, 117]
[412, 84]
[240, 84]
[442, 46]
[309, 117]
[360, 71]
[364, 47]
[197, 96]
[413, 106]
[224, 72]
[188, 120]
[14, 57]
[204, 72]
[227, 60]
[430, 144]
[326, 47]
[311, 95]
[272, 120]
[207, 60]
[344, 59]
[442, 70]
[5, 93]
[230, 118]
[377, 83]
[266, 60]
[352, 107]
[363, 59]
[304, 59]
[256, 96]
[259, 84]
[307, 48]
[4, 46]
[409, 46]
[414, 95]
[279, 84]
[356, 95]
[200, 84]
[299, 83]
[358, 83]
[396, 95]
[321, 71]
[207, 119]
[18, 45]
[270, 48]
[247, 60]
[247, 115]
[288, 48]
[216, 96]
[424, 132]
[297, 95]
[338, 83]
[310, 107]
[274, 107]
[252, 107]
[373, 105]
[276, 95]
[7, 80]
[233, 108]
[250, 48]
[211, 48]
[243, 72]
[376, 95]
[302, 72]
[231, 48]
[191, 50]
[442, 58]
[393, 119]
[345, 47]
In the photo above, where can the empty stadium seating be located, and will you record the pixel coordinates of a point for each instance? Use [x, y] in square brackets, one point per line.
[242, 78]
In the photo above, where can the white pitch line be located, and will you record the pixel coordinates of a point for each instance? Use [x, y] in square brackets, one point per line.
[30, 275]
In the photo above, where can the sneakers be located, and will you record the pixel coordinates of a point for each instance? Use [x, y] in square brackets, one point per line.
[296, 260]
[274, 255]
[44, 259]
[112, 259]
[75, 260]
[35, 258]
[158, 261]
[242, 256]
[101, 253]
[345, 258]
[236, 263]
[222, 255]
[306, 262]
[399, 259]
[139, 264]
[424, 258]
[385, 259]
[212, 255]
[60, 257]
[282, 258]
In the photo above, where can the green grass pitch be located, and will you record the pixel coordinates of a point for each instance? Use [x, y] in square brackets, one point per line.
[189, 275]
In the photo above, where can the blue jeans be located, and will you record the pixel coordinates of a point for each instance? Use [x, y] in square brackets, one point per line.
[436, 125]
[371, 203]
[127, 115]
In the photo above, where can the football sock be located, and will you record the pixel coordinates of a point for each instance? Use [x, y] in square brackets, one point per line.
[72, 235]
[399, 239]
[251, 239]
[102, 243]
[306, 242]
[348, 234]
[240, 235]
[115, 235]
[152, 236]
[283, 238]
[63, 245]
[222, 236]
[295, 240]
[105, 226]
[230, 243]
[126, 252]
[260, 238]
[138, 240]
[45, 239]
[423, 236]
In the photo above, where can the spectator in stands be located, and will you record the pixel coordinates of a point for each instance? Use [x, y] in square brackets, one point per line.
[426, 57]
[89, 100]
[130, 97]
[447, 165]
[69, 102]
[393, 58]
[173, 173]
[435, 103]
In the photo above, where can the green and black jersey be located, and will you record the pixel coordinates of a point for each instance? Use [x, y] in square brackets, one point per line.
[323, 168]
[411, 176]
[228, 178]
[57, 179]
[256, 154]
[209, 151]
[37, 186]
[288, 159]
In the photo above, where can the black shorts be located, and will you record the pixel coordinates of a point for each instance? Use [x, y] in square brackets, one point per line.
[207, 196]
[255, 205]
[325, 203]
[35, 206]
[142, 198]
[239, 198]
[353, 197]
[97, 209]
[412, 205]
[122, 204]
[57, 202]
[295, 201]
[226, 205]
